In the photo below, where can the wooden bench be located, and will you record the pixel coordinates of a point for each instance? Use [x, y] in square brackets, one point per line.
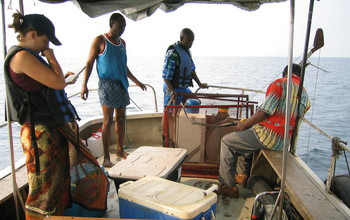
[306, 190]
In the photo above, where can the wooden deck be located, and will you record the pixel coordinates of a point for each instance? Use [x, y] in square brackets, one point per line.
[306, 193]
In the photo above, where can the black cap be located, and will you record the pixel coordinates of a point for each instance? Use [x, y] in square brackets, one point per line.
[41, 24]
[296, 69]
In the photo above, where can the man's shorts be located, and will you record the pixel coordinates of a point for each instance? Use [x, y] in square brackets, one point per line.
[112, 94]
[179, 99]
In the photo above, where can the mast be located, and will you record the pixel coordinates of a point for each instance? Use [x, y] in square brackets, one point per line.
[305, 57]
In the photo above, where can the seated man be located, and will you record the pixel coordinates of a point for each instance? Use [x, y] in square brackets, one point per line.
[263, 130]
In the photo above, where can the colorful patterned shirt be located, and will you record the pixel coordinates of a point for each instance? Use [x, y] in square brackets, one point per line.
[270, 132]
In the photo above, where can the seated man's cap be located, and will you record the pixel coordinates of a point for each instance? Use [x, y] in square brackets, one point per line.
[41, 24]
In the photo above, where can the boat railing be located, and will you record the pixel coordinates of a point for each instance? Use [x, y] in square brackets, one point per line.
[147, 85]
[338, 146]
[155, 95]
[6, 171]
[243, 90]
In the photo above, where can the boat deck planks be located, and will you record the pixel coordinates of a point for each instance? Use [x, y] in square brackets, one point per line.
[306, 194]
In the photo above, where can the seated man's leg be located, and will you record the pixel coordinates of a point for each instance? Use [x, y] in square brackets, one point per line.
[228, 161]
[236, 153]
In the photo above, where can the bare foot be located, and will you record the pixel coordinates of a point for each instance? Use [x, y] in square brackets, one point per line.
[107, 163]
[122, 154]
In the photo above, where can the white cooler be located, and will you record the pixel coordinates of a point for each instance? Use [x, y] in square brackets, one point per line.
[149, 161]
[158, 198]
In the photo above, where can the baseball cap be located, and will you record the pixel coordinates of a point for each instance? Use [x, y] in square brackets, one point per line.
[41, 24]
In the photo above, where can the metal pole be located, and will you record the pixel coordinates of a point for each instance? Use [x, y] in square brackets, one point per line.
[9, 128]
[3, 27]
[21, 8]
[288, 107]
[280, 198]
[16, 193]
[306, 46]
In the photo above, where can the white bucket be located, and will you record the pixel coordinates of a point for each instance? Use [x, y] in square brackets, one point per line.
[95, 144]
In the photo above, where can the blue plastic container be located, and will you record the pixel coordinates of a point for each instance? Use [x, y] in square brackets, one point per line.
[157, 198]
[78, 211]
[190, 102]
[137, 211]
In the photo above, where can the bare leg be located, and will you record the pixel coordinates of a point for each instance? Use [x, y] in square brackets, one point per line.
[120, 131]
[106, 132]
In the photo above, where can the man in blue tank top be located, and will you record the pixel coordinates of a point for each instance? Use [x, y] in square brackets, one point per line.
[110, 53]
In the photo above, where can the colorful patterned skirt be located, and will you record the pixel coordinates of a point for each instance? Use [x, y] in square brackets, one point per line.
[67, 173]
[49, 192]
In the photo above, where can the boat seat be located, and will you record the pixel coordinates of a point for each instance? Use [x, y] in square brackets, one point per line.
[306, 193]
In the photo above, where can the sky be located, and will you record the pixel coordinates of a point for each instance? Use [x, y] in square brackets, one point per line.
[220, 30]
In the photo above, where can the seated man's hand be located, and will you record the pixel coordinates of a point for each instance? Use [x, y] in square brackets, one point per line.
[240, 126]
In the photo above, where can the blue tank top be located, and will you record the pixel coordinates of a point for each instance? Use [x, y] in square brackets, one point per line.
[112, 63]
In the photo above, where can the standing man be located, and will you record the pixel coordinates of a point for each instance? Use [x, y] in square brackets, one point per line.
[179, 71]
[110, 53]
[263, 130]
[179, 68]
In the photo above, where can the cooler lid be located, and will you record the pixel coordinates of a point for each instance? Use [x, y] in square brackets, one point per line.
[172, 198]
[148, 161]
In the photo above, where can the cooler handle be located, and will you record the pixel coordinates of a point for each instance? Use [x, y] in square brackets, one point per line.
[212, 215]
[125, 184]
[211, 189]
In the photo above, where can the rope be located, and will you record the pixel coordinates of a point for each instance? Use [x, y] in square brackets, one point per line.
[312, 109]
[347, 163]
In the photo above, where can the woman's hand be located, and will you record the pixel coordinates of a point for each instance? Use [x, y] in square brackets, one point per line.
[48, 53]
[70, 82]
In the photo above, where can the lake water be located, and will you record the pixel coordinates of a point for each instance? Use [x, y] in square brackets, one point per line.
[328, 91]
